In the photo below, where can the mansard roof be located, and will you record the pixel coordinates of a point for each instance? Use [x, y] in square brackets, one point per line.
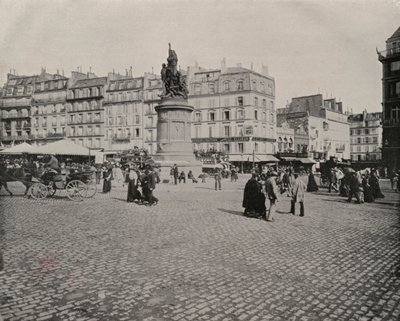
[90, 82]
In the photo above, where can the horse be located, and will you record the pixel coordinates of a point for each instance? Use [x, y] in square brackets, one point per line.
[15, 175]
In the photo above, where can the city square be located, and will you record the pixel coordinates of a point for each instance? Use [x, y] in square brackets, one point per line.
[194, 256]
[200, 160]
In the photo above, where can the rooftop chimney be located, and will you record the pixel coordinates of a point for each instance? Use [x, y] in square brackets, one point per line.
[223, 64]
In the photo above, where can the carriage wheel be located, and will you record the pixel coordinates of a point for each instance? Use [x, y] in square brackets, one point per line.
[91, 188]
[76, 190]
[38, 191]
[51, 189]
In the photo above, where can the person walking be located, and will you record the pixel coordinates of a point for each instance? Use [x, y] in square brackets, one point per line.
[374, 184]
[176, 173]
[272, 194]
[254, 198]
[311, 184]
[148, 185]
[133, 183]
[107, 176]
[298, 195]
[354, 188]
[218, 178]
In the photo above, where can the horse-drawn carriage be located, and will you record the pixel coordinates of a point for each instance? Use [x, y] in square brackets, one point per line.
[78, 185]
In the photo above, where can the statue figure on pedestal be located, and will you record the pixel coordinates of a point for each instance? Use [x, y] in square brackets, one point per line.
[174, 83]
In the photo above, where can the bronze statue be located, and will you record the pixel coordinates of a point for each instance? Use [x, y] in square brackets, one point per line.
[174, 83]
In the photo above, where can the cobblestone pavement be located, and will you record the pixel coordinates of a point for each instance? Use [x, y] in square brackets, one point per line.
[195, 257]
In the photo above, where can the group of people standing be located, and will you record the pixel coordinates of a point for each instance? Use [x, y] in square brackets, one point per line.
[365, 187]
[269, 185]
[135, 178]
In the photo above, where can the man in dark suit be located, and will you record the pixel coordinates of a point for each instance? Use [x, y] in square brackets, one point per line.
[354, 188]
[148, 185]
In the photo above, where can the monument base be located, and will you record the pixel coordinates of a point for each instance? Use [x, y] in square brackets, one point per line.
[174, 138]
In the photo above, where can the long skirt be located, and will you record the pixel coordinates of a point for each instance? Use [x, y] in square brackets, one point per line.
[312, 184]
[133, 192]
[106, 186]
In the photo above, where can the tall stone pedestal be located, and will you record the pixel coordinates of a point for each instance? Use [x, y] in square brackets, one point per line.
[174, 142]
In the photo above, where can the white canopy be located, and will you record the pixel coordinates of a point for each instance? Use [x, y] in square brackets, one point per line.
[17, 149]
[61, 147]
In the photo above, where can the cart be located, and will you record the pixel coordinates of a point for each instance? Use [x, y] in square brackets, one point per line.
[78, 185]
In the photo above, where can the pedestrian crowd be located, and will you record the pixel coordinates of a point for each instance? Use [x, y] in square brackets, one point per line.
[140, 182]
[271, 184]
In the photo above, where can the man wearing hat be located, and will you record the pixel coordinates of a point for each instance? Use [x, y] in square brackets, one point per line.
[148, 185]
[272, 194]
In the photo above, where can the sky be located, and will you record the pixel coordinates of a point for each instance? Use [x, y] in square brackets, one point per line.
[310, 47]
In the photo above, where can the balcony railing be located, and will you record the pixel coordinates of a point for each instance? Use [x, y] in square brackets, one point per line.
[15, 137]
[389, 53]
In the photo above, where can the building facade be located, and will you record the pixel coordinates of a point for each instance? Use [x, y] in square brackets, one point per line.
[284, 138]
[85, 111]
[390, 59]
[123, 109]
[321, 128]
[16, 109]
[366, 137]
[48, 108]
[152, 91]
[234, 112]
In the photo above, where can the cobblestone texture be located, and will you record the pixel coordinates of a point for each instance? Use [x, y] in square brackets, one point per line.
[195, 257]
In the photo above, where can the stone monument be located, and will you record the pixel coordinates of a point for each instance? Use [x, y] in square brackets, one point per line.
[174, 143]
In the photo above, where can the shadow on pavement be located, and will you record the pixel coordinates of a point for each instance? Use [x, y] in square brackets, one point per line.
[240, 213]
[283, 212]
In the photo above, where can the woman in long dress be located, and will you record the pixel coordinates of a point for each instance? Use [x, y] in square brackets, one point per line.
[312, 184]
[375, 188]
[253, 198]
[368, 197]
[107, 175]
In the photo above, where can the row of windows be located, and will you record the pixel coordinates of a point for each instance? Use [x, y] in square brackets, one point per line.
[238, 101]
[85, 118]
[88, 142]
[47, 121]
[50, 85]
[122, 109]
[49, 132]
[365, 131]
[121, 85]
[48, 109]
[233, 114]
[368, 148]
[123, 133]
[235, 147]
[124, 96]
[85, 92]
[19, 90]
[84, 131]
[15, 113]
[84, 106]
[123, 121]
[364, 140]
[228, 131]
[365, 157]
